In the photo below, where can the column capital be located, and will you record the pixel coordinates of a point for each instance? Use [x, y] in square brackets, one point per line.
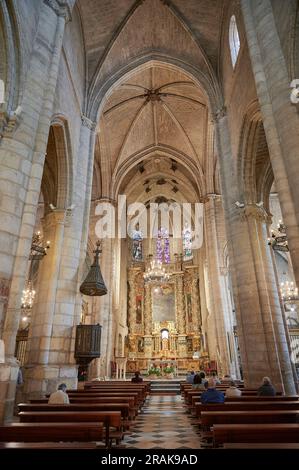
[9, 121]
[210, 196]
[61, 8]
[106, 199]
[57, 216]
[219, 114]
[87, 122]
[255, 211]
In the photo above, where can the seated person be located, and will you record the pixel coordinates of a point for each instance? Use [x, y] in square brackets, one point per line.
[60, 397]
[190, 377]
[137, 377]
[214, 376]
[211, 395]
[232, 390]
[199, 381]
[266, 389]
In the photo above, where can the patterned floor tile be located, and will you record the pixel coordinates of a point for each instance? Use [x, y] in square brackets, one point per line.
[164, 424]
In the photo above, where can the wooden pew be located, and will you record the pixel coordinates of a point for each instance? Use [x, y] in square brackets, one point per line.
[48, 445]
[39, 432]
[247, 406]
[97, 406]
[255, 433]
[209, 418]
[258, 445]
[242, 399]
[108, 418]
[94, 401]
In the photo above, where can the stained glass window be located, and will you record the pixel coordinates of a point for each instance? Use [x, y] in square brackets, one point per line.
[162, 246]
[137, 245]
[187, 243]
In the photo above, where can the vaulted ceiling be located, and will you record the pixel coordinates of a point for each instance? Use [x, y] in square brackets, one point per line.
[114, 28]
[155, 107]
[138, 58]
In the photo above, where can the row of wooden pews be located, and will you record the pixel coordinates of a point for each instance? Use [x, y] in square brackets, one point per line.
[246, 420]
[103, 411]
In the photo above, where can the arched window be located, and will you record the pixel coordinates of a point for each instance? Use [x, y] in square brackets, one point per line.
[162, 246]
[187, 242]
[137, 254]
[234, 40]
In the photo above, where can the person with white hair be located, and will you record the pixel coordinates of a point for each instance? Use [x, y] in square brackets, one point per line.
[232, 390]
[60, 397]
[266, 389]
[212, 395]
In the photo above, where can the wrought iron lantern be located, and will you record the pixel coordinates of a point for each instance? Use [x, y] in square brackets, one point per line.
[94, 284]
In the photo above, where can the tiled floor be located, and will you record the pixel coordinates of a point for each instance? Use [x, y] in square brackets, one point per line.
[163, 424]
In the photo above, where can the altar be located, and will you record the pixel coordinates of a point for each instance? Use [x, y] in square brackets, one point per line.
[164, 322]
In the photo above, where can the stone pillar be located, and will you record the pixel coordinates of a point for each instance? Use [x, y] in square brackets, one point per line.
[218, 326]
[103, 311]
[147, 309]
[50, 351]
[180, 304]
[261, 334]
[132, 301]
[180, 315]
[280, 116]
[148, 346]
[22, 153]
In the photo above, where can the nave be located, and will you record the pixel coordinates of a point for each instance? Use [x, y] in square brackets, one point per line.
[164, 424]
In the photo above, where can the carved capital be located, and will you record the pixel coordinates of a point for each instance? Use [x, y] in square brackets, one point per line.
[219, 114]
[207, 197]
[223, 270]
[61, 8]
[9, 121]
[88, 123]
[256, 212]
[54, 218]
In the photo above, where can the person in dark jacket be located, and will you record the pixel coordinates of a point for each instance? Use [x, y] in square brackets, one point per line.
[212, 395]
[137, 377]
[266, 389]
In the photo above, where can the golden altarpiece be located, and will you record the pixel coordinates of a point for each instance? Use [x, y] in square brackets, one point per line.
[164, 320]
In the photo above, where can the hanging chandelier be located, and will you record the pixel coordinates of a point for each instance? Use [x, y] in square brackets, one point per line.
[28, 296]
[278, 240]
[289, 292]
[155, 273]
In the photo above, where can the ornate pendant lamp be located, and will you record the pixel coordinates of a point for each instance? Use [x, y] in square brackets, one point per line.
[94, 284]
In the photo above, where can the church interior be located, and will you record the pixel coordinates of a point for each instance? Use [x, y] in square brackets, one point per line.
[149, 220]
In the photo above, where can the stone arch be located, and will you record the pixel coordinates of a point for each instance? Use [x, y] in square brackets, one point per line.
[195, 172]
[10, 59]
[253, 157]
[209, 85]
[57, 176]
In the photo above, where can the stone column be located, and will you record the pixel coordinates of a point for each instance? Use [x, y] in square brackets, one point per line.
[132, 302]
[216, 295]
[147, 321]
[280, 116]
[50, 357]
[22, 153]
[261, 334]
[103, 311]
[180, 315]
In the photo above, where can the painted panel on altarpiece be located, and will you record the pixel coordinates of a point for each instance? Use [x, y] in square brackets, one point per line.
[163, 303]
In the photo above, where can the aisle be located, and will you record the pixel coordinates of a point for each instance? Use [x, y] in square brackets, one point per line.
[163, 424]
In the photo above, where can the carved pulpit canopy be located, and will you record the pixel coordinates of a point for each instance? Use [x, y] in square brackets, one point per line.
[94, 284]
